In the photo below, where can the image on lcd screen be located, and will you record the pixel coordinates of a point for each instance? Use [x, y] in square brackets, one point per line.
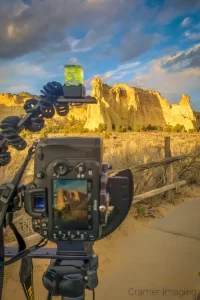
[70, 204]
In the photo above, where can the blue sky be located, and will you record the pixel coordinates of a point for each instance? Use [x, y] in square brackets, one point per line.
[154, 44]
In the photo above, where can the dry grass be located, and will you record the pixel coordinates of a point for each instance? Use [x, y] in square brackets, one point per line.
[130, 149]
[124, 150]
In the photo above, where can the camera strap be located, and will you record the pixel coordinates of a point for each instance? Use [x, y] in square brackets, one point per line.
[2, 259]
[26, 266]
[6, 199]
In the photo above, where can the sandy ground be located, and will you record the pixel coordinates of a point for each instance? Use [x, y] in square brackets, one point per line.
[110, 251]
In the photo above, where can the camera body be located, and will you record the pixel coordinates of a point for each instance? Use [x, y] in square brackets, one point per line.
[67, 199]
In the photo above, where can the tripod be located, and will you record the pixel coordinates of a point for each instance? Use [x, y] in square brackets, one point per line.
[72, 273]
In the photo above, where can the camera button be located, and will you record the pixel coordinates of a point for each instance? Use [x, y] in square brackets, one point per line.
[82, 236]
[80, 168]
[90, 173]
[91, 236]
[45, 233]
[35, 222]
[55, 236]
[40, 175]
[44, 225]
[64, 236]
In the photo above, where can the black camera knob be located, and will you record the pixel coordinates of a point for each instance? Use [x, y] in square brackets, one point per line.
[49, 280]
[61, 168]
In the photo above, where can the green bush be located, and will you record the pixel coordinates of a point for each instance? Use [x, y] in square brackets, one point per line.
[26, 134]
[160, 128]
[192, 130]
[142, 128]
[102, 127]
[178, 128]
[167, 128]
[150, 127]
[122, 128]
[118, 128]
[106, 135]
[136, 128]
[44, 133]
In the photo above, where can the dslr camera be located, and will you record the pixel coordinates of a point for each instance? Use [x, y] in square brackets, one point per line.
[71, 197]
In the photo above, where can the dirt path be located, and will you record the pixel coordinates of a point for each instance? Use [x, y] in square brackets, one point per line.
[107, 249]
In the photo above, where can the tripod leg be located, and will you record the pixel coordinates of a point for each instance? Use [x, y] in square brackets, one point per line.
[49, 296]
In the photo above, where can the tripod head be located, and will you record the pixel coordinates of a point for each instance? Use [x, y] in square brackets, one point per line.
[67, 278]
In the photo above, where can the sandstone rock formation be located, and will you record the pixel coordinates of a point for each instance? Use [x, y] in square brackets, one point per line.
[118, 105]
[126, 105]
[15, 100]
[13, 104]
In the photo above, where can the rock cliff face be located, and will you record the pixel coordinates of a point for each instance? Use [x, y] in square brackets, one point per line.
[126, 105]
[15, 100]
[118, 105]
[13, 104]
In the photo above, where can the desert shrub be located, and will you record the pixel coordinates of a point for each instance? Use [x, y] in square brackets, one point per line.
[106, 135]
[26, 134]
[192, 130]
[129, 128]
[178, 128]
[113, 127]
[167, 128]
[136, 128]
[160, 128]
[66, 126]
[150, 127]
[142, 128]
[44, 133]
[118, 128]
[102, 127]
[123, 128]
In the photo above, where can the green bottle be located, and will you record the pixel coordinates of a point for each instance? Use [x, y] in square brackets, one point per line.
[73, 75]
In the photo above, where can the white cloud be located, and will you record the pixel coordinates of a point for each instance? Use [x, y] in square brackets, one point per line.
[187, 33]
[20, 88]
[183, 80]
[158, 78]
[17, 73]
[92, 39]
[72, 61]
[189, 58]
[186, 22]
[171, 75]
[120, 72]
[112, 76]
[194, 36]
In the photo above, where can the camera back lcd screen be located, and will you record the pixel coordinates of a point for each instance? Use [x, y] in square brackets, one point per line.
[72, 209]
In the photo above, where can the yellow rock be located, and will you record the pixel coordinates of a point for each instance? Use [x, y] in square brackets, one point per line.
[13, 104]
[126, 105]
